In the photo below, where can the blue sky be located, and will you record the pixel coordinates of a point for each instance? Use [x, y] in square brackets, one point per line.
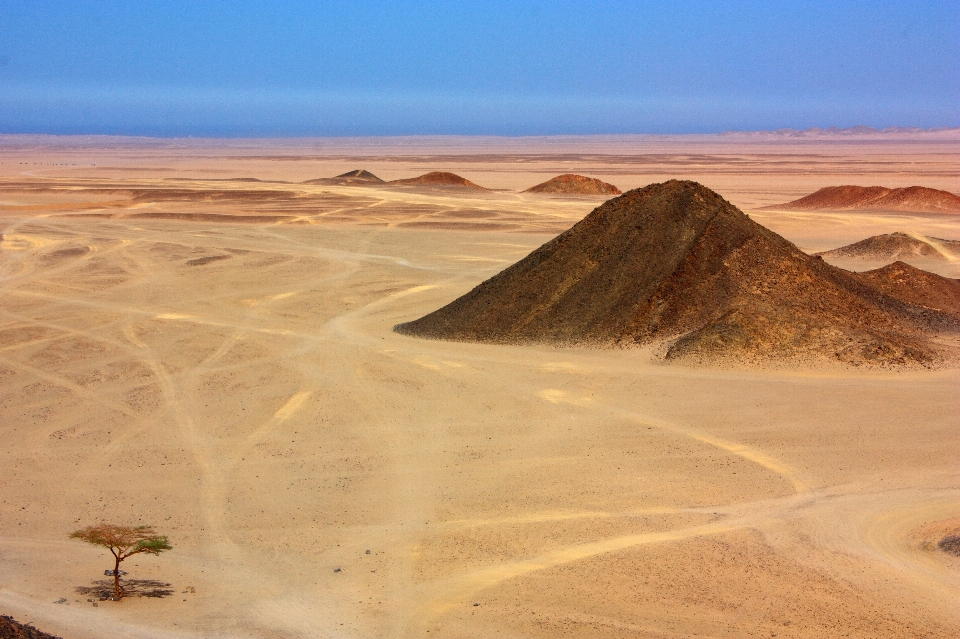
[508, 68]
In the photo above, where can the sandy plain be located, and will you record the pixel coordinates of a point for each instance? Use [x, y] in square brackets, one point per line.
[214, 356]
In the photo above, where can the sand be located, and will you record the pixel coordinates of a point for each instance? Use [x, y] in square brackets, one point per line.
[234, 381]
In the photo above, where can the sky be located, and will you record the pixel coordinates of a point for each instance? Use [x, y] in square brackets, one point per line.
[294, 68]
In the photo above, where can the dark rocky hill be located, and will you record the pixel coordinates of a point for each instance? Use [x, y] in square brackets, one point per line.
[917, 287]
[676, 264]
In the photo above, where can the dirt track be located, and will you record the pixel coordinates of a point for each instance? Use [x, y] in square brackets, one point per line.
[259, 410]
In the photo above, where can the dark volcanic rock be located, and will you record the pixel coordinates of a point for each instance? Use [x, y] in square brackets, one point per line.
[575, 184]
[676, 263]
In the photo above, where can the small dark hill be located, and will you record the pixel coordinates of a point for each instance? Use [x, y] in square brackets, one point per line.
[360, 174]
[675, 263]
[917, 287]
[897, 246]
[918, 199]
[357, 177]
[438, 178]
[575, 184]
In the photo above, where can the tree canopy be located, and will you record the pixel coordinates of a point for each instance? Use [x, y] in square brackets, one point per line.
[122, 542]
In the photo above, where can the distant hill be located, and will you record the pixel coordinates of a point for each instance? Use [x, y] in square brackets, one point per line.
[676, 264]
[438, 178]
[360, 174]
[357, 177]
[575, 184]
[898, 246]
[917, 199]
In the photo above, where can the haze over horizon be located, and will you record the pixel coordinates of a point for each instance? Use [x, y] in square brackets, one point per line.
[155, 68]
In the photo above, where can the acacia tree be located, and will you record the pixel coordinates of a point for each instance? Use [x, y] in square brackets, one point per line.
[123, 541]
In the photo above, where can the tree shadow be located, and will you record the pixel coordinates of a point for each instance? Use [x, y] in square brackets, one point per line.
[103, 588]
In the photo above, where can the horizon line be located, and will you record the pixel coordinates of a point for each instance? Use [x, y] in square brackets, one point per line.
[852, 131]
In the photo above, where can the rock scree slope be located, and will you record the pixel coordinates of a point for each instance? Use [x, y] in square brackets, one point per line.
[10, 628]
[916, 286]
[911, 198]
[676, 264]
[575, 184]
[896, 246]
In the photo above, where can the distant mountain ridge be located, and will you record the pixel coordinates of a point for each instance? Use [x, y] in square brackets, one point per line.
[859, 131]
[917, 199]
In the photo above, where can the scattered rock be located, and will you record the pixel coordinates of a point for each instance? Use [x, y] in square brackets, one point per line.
[950, 545]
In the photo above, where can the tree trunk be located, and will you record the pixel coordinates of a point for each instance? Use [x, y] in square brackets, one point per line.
[116, 580]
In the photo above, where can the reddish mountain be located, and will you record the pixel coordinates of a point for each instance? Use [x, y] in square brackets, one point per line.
[918, 199]
[676, 264]
[438, 178]
[575, 184]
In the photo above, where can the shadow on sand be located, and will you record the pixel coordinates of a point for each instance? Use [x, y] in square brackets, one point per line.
[103, 588]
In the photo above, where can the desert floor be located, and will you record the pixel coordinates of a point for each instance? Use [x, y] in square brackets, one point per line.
[234, 381]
